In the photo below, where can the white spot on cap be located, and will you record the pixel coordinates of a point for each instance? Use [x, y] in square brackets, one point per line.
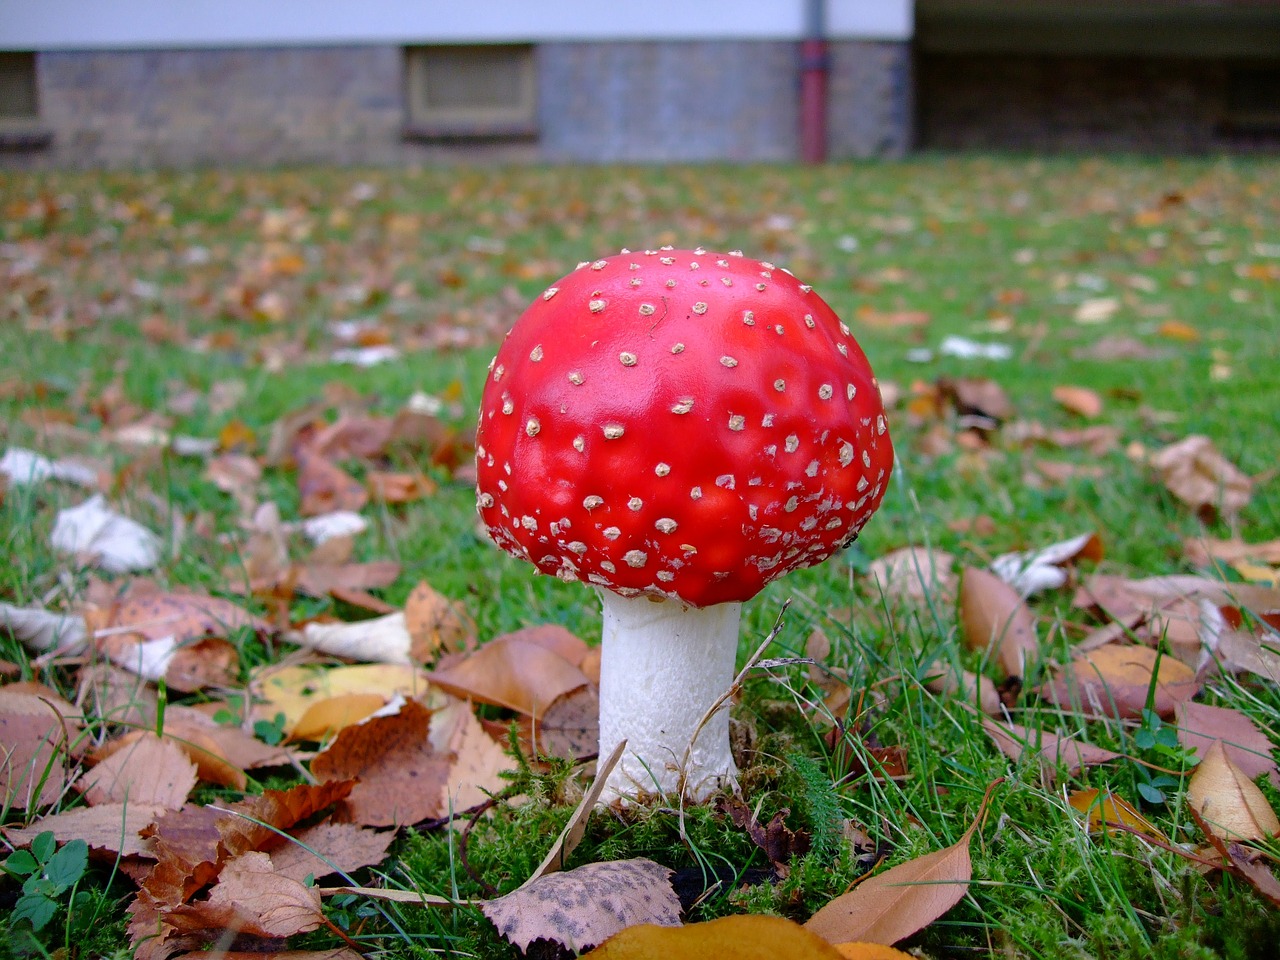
[695, 493]
[808, 320]
[576, 378]
[662, 469]
[665, 525]
[812, 469]
[761, 287]
[599, 264]
[699, 308]
[850, 391]
[729, 362]
[612, 431]
[824, 392]
[647, 309]
[536, 353]
[528, 522]
[576, 546]
[532, 427]
[737, 421]
[749, 318]
[881, 426]
[846, 453]
[636, 504]
[780, 385]
[580, 443]
[550, 292]
[597, 305]
[677, 348]
[611, 533]
[635, 558]
[791, 444]
[498, 371]
[608, 567]
[508, 405]
[683, 405]
[863, 483]
[767, 420]
[791, 504]
[627, 359]
[592, 501]
[485, 501]
[666, 576]
[726, 480]
[866, 459]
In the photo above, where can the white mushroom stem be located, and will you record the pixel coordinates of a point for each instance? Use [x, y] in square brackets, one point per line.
[663, 666]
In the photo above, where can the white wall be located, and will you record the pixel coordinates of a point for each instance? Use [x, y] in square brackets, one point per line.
[105, 24]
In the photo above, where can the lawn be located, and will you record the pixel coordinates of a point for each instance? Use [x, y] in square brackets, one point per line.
[185, 334]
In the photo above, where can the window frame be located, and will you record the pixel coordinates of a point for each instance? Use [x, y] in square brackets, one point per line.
[426, 122]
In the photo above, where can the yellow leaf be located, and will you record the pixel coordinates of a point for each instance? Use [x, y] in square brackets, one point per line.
[1229, 802]
[1106, 809]
[1177, 330]
[297, 690]
[745, 937]
[870, 951]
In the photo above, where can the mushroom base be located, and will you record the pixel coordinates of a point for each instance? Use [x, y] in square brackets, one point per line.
[663, 665]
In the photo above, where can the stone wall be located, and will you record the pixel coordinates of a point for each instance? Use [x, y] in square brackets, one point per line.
[1051, 102]
[732, 101]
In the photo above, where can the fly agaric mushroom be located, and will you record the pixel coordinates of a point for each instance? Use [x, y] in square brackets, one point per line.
[677, 428]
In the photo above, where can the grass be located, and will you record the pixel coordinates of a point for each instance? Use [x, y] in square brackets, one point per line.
[149, 289]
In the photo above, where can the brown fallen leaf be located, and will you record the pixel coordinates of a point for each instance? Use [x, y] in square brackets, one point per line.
[742, 937]
[779, 842]
[339, 847]
[402, 776]
[479, 761]
[37, 740]
[1078, 400]
[110, 829]
[388, 487]
[1104, 810]
[1230, 804]
[250, 898]
[220, 752]
[1113, 681]
[890, 906]
[436, 623]
[146, 769]
[1016, 741]
[325, 487]
[570, 726]
[995, 619]
[512, 673]
[1197, 474]
[918, 575]
[583, 907]
[1205, 551]
[971, 688]
[977, 396]
[1201, 725]
[147, 613]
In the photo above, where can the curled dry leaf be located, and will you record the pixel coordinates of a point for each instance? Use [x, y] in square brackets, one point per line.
[41, 630]
[1113, 681]
[387, 487]
[995, 619]
[1197, 474]
[513, 673]
[479, 761]
[570, 726]
[743, 937]
[1033, 571]
[378, 640]
[94, 532]
[583, 907]
[1228, 802]
[1205, 551]
[251, 898]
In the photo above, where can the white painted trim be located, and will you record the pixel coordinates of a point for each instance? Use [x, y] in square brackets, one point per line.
[125, 24]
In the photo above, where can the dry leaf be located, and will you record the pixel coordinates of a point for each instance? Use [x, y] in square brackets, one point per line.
[478, 760]
[743, 937]
[570, 726]
[251, 898]
[97, 534]
[969, 687]
[146, 770]
[110, 828]
[1197, 474]
[915, 575]
[583, 907]
[41, 630]
[1200, 725]
[1228, 801]
[378, 640]
[318, 700]
[1113, 681]
[1078, 400]
[995, 619]
[36, 740]
[386, 487]
[325, 487]
[1016, 741]
[402, 776]
[889, 906]
[1033, 571]
[977, 397]
[436, 623]
[513, 673]
[339, 847]
[1204, 551]
[1105, 809]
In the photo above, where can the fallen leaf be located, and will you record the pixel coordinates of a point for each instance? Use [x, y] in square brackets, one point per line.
[570, 725]
[1097, 310]
[1113, 681]
[1053, 750]
[971, 688]
[110, 828]
[325, 487]
[890, 906]
[995, 619]
[1204, 551]
[512, 673]
[378, 640]
[95, 533]
[1201, 725]
[1034, 571]
[583, 907]
[1177, 330]
[1078, 400]
[387, 487]
[301, 691]
[977, 396]
[1197, 474]
[146, 770]
[915, 575]
[401, 775]
[1104, 810]
[779, 842]
[251, 898]
[1229, 802]
[43, 630]
[742, 937]
[338, 848]
[36, 743]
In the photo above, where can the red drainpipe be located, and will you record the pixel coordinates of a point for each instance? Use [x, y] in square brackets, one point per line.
[815, 66]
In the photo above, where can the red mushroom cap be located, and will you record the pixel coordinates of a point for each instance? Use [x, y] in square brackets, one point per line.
[679, 423]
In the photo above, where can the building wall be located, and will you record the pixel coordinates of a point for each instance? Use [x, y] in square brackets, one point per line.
[641, 101]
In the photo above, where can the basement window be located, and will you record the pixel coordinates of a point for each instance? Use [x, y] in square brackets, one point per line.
[471, 91]
[20, 127]
[1253, 99]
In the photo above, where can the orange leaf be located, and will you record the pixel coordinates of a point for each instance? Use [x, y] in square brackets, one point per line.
[1078, 400]
[1229, 803]
[1107, 809]
[326, 487]
[1113, 681]
[743, 937]
[513, 673]
[994, 616]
